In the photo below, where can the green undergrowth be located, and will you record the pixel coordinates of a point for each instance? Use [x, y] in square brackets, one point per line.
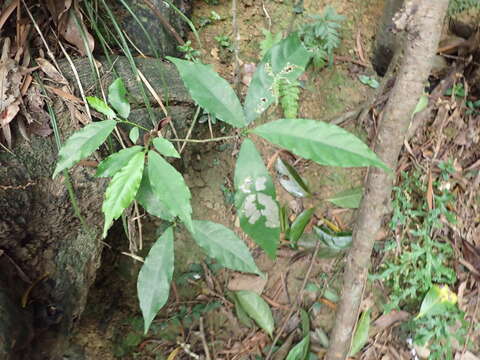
[420, 258]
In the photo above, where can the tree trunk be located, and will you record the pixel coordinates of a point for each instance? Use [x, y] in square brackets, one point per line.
[424, 27]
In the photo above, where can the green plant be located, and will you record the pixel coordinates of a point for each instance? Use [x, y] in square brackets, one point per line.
[270, 40]
[439, 323]
[420, 260]
[188, 51]
[423, 259]
[141, 173]
[321, 36]
[458, 6]
[224, 42]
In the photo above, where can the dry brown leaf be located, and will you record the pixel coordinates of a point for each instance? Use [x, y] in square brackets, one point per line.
[71, 32]
[51, 71]
[5, 14]
[64, 94]
[9, 114]
[466, 356]
[57, 8]
[247, 282]
[387, 320]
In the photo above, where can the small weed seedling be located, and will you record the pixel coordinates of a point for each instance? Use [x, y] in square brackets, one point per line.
[224, 42]
[321, 36]
[141, 173]
[188, 51]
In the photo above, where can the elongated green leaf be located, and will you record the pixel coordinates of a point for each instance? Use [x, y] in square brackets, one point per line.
[221, 243]
[421, 105]
[360, 338]
[349, 199]
[255, 199]
[257, 309]
[83, 143]
[153, 284]
[437, 300]
[324, 143]
[287, 59]
[109, 166]
[300, 351]
[169, 186]
[150, 201]
[101, 107]
[117, 97]
[134, 134]
[210, 91]
[298, 226]
[122, 189]
[241, 314]
[165, 147]
[335, 241]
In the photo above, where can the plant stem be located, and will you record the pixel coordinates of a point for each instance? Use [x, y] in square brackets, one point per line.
[133, 124]
[206, 140]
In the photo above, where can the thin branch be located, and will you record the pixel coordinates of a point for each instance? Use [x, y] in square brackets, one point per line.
[204, 340]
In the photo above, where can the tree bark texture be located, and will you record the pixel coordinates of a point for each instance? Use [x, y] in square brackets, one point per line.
[48, 258]
[423, 34]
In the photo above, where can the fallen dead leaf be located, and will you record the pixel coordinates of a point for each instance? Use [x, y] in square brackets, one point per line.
[72, 33]
[247, 282]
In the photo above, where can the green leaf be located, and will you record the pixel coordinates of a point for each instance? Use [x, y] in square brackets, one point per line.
[255, 199]
[324, 143]
[295, 185]
[153, 285]
[305, 321]
[349, 199]
[118, 99]
[257, 309]
[437, 300]
[147, 198]
[298, 226]
[83, 143]
[360, 338]
[334, 241]
[110, 165]
[101, 107]
[300, 351]
[134, 134]
[241, 314]
[122, 189]
[421, 104]
[210, 91]
[288, 60]
[165, 147]
[223, 245]
[370, 81]
[170, 188]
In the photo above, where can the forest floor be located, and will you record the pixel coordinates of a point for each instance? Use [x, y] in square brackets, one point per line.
[112, 325]
[439, 173]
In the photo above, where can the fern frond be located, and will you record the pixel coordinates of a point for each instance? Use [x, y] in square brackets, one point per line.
[289, 94]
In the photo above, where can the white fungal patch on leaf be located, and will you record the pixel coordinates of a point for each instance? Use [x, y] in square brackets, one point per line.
[257, 204]
[270, 210]
[260, 183]
[246, 185]
[252, 213]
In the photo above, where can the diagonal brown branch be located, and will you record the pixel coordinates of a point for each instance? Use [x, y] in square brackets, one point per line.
[423, 33]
